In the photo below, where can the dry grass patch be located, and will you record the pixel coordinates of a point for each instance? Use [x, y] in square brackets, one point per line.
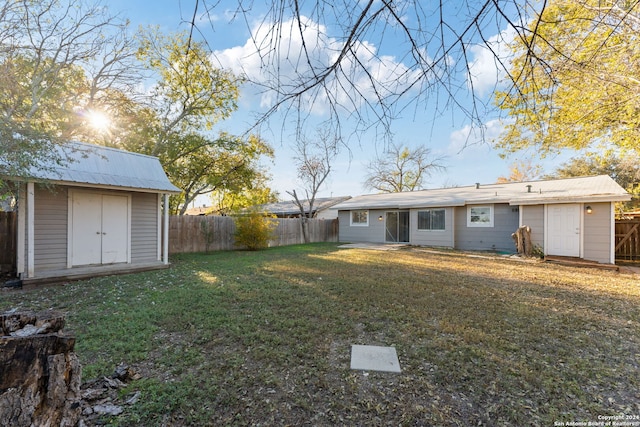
[238, 338]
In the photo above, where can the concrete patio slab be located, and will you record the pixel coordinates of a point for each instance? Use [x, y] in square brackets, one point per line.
[374, 358]
[374, 246]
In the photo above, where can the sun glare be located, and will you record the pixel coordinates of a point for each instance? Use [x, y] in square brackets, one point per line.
[99, 121]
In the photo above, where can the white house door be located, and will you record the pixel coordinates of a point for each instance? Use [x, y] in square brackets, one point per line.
[563, 235]
[99, 229]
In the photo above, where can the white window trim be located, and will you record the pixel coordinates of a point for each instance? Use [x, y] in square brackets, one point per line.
[358, 224]
[480, 224]
[425, 230]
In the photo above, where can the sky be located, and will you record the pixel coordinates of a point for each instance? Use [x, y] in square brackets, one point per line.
[467, 156]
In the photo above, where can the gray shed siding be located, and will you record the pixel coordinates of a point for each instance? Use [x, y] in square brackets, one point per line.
[374, 232]
[533, 216]
[144, 227]
[51, 216]
[441, 238]
[496, 238]
[597, 233]
[50, 228]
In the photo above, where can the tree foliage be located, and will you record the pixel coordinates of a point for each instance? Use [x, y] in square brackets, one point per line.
[622, 168]
[581, 87]
[374, 61]
[521, 171]
[199, 165]
[254, 230]
[227, 202]
[190, 94]
[401, 169]
[56, 60]
[62, 63]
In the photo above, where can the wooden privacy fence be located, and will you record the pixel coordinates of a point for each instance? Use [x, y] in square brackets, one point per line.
[215, 233]
[7, 241]
[628, 239]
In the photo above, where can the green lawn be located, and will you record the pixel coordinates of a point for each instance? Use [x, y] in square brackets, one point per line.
[264, 338]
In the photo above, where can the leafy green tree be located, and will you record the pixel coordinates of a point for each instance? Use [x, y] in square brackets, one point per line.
[227, 202]
[199, 165]
[175, 124]
[190, 94]
[401, 169]
[580, 85]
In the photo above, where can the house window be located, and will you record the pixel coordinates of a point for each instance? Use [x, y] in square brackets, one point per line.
[360, 218]
[432, 219]
[480, 216]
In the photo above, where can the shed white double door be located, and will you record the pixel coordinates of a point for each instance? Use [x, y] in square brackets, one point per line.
[564, 225]
[99, 228]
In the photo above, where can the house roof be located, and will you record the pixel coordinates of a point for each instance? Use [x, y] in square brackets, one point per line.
[290, 207]
[94, 165]
[591, 189]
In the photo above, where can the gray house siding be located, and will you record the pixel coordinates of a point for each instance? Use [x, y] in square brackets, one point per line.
[144, 227]
[441, 238]
[495, 238]
[50, 228]
[597, 238]
[533, 216]
[373, 232]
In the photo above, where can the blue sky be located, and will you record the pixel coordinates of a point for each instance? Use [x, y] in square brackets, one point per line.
[468, 158]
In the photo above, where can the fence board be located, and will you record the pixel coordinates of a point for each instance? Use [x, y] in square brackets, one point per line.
[8, 224]
[215, 233]
[627, 244]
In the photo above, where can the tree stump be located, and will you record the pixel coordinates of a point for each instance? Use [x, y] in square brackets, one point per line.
[522, 240]
[41, 375]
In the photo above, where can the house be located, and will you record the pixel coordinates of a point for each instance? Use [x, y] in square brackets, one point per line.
[568, 217]
[323, 208]
[102, 212]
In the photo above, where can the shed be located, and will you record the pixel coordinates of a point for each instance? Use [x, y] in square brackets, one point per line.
[104, 211]
[571, 217]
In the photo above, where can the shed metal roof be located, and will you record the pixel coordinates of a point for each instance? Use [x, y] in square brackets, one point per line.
[94, 165]
[592, 189]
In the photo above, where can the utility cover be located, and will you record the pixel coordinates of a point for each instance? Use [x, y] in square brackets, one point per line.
[374, 358]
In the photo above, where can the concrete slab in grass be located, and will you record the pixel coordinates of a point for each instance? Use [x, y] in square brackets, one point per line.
[374, 358]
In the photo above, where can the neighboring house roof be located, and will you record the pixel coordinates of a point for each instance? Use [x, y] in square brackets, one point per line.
[202, 210]
[290, 207]
[95, 165]
[591, 189]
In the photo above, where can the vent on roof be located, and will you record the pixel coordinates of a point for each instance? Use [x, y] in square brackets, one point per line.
[529, 188]
[477, 185]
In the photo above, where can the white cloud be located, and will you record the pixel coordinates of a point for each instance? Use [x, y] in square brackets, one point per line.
[487, 66]
[362, 76]
[472, 140]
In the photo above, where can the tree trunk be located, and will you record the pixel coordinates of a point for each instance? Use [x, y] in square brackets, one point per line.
[41, 375]
[522, 240]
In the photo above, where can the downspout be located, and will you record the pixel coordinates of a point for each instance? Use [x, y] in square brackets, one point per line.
[612, 234]
[30, 229]
[159, 226]
[165, 255]
[22, 229]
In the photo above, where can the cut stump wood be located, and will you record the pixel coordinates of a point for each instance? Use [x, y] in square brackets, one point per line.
[522, 240]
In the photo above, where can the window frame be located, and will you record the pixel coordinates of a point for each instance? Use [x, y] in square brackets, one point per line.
[359, 224]
[480, 224]
[444, 210]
